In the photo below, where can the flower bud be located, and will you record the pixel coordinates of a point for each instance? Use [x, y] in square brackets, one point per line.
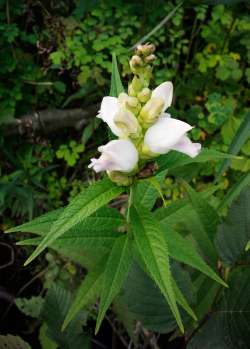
[151, 111]
[150, 58]
[135, 62]
[127, 122]
[145, 49]
[144, 95]
[120, 178]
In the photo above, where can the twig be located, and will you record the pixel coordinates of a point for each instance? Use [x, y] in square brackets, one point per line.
[124, 342]
[12, 255]
[49, 121]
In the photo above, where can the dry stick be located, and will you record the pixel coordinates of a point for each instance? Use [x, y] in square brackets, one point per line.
[49, 121]
[156, 28]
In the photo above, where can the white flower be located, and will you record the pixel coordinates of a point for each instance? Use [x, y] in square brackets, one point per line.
[121, 121]
[165, 92]
[170, 134]
[118, 155]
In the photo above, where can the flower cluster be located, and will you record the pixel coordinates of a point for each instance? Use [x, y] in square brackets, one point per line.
[139, 120]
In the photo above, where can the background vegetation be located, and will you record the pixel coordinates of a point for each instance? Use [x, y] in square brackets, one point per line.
[57, 55]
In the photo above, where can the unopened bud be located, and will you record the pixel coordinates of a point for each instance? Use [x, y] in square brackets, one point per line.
[150, 58]
[137, 84]
[128, 123]
[135, 62]
[120, 178]
[151, 111]
[144, 95]
[145, 49]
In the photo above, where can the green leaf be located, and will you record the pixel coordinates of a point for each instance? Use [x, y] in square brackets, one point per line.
[235, 191]
[240, 138]
[78, 237]
[87, 292]
[229, 323]
[56, 306]
[153, 250]
[147, 304]
[116, 84]
[176, 159]
[13, 342]
[203, 229]
[183, 251]
[117, 268]
[247, 246]
[234, 233]
[31, 307]
[46, 342]
[83, 205]
[104, 219]
[146, 193]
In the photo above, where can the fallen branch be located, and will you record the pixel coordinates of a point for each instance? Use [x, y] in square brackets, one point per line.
[48, 121]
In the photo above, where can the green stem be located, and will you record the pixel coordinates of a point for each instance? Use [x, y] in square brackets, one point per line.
[130, 201]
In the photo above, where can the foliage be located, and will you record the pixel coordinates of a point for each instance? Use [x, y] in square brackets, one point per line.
[64, 60]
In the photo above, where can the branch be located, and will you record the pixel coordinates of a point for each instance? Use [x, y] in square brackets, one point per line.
[49, 121]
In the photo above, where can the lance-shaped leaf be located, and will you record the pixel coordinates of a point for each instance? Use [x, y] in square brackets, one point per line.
[152, 247]
[116, 84]
[117, 268]
[183, 251]
[105, 218]
[204, 228]
[87, 292]
[176, 159]
[83, 205]
[241, 136]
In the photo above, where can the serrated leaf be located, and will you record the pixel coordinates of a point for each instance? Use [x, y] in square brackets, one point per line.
[105, 218]
[204, 228]
[229, 323]
[116, 270]
[86, 293]
[31, 307]
[234, 233]
[83, 205]
[78, 237]
[146, 193]
[240, 138]
[57, 302]
[116, 85]
[152, 247]
[13, 342]
[147, 304]
[176, 159]
[183, 251]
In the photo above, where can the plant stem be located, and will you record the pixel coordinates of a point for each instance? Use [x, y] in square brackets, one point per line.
[130, 201]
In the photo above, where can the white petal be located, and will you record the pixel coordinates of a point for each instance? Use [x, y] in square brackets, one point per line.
[108, 110]
[187, 147]
[118, 155]
[164, 91]
[164, 134]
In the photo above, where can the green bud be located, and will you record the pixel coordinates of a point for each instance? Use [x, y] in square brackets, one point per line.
[135, 62]
[145, 153]
[144, 95]
[120, 178]
[145, 49]
[150, 58]
[151, 111]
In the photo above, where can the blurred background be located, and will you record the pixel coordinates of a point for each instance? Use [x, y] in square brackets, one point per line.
[55, 68]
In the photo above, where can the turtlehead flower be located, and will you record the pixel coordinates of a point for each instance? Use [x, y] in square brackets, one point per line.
[160, 100]
[170, 134]
[120, 120]
[118, 155]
